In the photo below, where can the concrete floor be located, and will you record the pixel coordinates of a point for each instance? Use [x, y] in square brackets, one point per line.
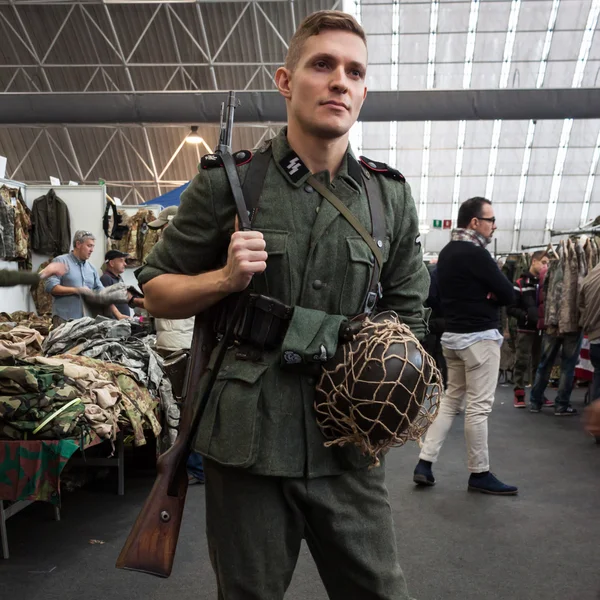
[540, 545]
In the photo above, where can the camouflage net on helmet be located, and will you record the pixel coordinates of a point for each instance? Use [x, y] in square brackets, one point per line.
[394, 413]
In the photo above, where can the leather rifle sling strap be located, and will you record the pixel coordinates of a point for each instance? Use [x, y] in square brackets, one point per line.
[345, 212]
[379, 232]
[236, 190]
[252, 190]
[255, 179]
[375, 241]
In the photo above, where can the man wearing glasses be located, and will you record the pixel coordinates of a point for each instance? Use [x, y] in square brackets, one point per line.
[66, 301]
[472, 290]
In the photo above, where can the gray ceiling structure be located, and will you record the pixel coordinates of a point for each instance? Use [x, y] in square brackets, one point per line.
[469, 97]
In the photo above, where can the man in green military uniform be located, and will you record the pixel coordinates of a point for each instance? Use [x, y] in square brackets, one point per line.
[270, 479]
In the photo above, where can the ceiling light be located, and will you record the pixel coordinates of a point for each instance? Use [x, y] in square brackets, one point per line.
[193, 137]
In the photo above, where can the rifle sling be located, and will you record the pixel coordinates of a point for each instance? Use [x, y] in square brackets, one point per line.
[345, 212]
[236, 190]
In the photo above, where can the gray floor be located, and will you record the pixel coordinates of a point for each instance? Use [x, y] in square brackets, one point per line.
[454, 545]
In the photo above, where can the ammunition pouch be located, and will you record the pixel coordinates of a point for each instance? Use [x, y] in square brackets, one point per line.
[263, 322]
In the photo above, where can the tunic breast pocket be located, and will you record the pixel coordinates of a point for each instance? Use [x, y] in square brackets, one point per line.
[359, 270]
[278, 264]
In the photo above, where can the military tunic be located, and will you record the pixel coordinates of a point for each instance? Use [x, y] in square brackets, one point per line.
[259, 420]
[9, 278]
[260, 414]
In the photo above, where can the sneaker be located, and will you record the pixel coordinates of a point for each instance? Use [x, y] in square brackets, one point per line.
[423, 474]
[519, 400]
[565, 411]
[548, 402]
[195, 480]
[535, 409]
[490, 484]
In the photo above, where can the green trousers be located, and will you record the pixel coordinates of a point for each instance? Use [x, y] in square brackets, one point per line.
[255, 525]
[527, 359]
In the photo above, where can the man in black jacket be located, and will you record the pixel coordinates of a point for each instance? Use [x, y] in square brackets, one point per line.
[472, 290]
[529, 336]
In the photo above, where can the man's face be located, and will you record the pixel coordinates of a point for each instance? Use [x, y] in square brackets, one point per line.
[484, 224]
[326, 90]
[117, 266]
[537, 266]
[84, 249]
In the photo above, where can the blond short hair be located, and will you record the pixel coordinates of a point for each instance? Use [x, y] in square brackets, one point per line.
[314, 24]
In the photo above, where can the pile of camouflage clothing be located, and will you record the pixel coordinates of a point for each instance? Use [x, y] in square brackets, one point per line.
[26, 319]
[19, 342]
[37, 402]
[73, 397]
[126, 355]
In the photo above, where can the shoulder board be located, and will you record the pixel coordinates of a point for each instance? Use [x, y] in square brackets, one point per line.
[381, 168]
[214, 160]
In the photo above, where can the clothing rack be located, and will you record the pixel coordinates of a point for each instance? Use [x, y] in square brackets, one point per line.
[538, 247]
[596, 229]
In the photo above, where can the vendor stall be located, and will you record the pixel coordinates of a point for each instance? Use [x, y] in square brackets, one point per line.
[89, 381]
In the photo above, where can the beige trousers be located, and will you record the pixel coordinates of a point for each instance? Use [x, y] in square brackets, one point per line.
[472, 380]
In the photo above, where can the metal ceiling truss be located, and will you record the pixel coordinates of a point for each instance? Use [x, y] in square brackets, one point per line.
[119, 140]
[181, 78]
[584, 51]
[462, 125]
[531, 127]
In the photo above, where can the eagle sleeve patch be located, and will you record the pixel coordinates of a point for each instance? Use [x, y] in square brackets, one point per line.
[211, 161]
[382, 169]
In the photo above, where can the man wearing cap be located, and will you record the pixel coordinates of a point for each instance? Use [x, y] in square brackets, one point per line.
[115, 267]
[164, 218]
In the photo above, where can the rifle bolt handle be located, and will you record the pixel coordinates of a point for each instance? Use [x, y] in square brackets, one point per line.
[165, 517]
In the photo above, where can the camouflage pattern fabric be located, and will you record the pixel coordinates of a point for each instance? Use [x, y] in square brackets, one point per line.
[20, 342]
[140, 239]
[30, 470]
[138, 405]
[41, 298]
[22, 229]
[102, 398]
[31, 394]
[7, 225]
[27, 319]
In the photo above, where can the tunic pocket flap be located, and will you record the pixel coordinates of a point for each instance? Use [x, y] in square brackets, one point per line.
[247, 372]
[359, 251]
[276, 241]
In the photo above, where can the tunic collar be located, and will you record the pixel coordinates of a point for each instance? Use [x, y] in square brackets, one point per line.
[296, 172]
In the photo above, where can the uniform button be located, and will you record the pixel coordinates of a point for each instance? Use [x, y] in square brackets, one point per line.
[317, 284]
[308, 189]
[379, 244]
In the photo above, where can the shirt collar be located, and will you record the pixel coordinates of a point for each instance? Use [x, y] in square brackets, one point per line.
[296, 172]
[77, 260]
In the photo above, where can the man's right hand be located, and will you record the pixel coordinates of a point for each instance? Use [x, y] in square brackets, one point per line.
[54, 268]
[246, 256]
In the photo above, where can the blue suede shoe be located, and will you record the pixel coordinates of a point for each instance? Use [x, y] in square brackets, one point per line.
[423, 474]
[490, 484]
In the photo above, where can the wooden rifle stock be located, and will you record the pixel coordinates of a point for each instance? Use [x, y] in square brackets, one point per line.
[150, 547]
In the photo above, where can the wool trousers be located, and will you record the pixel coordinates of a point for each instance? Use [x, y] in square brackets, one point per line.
[255, 525]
